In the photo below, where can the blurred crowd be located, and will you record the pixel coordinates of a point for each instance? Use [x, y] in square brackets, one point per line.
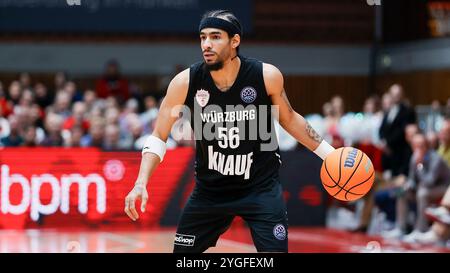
[108, 116]
[410, 150]
[409, 146]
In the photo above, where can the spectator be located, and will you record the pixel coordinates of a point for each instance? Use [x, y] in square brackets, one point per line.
[25, 80]
[131, 106]
[59, 81]
[111, 102]
[136, 129]
[112, 115]
[410, 131]
[14, 139]
[112, 138]
[150, 114]
[373, 116]
[337, 102]
[89, 99]
[77, 119]
[36, 116]
[113, 84]
[23, 116]
[387, 192]
[62, 104]
[53, 127]
[96, 134]
[395, 149]
[439, 232]
[14, 92]
[403, 104]
[5, 105]
[331, 120]
[444, 137]
[97, 112]
[43, 98]
[428, 179]
[434, 118]
[129, 113]
[30, 137]
[4, 128]
[71, 88]
[433, 140]
[27, 98]
[76, 133]
[386, 103]
[130, 128]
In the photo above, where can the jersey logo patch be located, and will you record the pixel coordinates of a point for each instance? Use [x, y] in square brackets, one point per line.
[202, 97]
[248, 94]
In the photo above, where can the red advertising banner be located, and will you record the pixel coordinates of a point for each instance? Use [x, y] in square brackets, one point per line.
[60, 187]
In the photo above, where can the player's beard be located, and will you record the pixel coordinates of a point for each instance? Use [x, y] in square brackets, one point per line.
[215, 66]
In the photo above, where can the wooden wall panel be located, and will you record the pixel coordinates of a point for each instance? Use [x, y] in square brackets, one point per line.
[421, 87]
[307, 94]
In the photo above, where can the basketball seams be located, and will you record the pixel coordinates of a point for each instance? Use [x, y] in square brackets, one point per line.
[326, 169]
[359, 184]
[343, 186]
[335, 184]
[348, 191]
[340, 162]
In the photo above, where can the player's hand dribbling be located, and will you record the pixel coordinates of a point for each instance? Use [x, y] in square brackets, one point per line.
[139, 192]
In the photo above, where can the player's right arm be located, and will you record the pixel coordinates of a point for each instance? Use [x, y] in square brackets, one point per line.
[167, 115]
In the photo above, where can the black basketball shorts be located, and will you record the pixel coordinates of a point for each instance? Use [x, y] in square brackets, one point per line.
[203, 221]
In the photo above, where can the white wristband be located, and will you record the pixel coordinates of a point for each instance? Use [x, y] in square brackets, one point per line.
[154, 145]
[324, 150]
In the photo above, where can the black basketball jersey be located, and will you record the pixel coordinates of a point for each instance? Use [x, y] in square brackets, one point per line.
[236, 145]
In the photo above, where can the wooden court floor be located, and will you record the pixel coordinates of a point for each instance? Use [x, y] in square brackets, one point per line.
[235, 240]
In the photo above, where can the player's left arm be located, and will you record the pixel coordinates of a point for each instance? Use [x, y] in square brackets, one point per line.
[290, 120]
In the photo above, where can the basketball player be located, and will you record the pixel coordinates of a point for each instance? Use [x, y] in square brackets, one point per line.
[236, 175]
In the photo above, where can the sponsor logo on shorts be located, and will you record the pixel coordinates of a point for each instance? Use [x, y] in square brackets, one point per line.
[184, 240]
[279, 232]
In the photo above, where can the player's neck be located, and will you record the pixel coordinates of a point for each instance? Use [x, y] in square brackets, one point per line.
[225, 77]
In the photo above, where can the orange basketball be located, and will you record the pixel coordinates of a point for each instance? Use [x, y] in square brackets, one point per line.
[347, 174]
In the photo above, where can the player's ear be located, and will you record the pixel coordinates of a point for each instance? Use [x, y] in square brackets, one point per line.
[235, 41]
